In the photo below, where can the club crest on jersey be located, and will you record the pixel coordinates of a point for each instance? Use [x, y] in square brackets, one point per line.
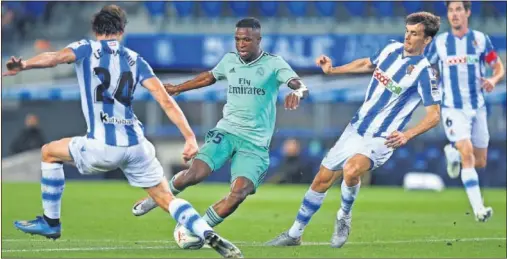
[386, 81]
[474, 43]
[410, 68]
[260, 71]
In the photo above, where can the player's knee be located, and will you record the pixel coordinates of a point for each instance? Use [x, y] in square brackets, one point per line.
[481, 162]
[323, 180]
[46, 153]
[351, 170]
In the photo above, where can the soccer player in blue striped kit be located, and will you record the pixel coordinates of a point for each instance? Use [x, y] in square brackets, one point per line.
[402, 77]
[108, 74]
[460, 56]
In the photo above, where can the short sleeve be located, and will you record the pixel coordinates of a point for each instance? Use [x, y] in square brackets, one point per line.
[431, 52]
[82, 49]
[427, 87]
[144, 70]
[219, 70]
[284, 73]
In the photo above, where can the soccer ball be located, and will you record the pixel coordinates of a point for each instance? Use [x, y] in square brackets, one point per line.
[186, 239]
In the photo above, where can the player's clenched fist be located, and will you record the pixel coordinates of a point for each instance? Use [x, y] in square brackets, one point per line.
[171, 89]
[190, 149]
[324, 62]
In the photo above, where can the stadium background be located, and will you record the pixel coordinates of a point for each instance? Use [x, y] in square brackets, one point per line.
[180, 39]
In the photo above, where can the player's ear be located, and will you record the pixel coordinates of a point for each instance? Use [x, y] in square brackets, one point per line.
[427, 40]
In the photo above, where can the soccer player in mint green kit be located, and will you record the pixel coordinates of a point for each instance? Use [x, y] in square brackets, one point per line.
[244, 133]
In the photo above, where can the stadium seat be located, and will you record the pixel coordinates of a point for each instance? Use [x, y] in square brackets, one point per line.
[326, 8]
[297, 8]
[355, 8]
[439, 8]
[212, 9]
[477, 7]
[500, 7]
[35, 8]
[384, 8]
[240, 8]
[155, 8]
[412, 6]
[184, 8]
[269, 8]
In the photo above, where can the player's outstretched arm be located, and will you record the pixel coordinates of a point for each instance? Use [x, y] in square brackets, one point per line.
[362, 65]
[202, 80]
[430, 120]
[43, 60]
[175, 114]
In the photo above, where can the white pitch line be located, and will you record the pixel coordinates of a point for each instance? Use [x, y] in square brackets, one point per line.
[243, 243]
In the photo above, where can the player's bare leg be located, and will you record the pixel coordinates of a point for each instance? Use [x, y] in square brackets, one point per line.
[186, 215]
[353, 169]
[481, 157]
[470, 178]
[240, 189]
[52, 186]
[197, 172]
[314, 197]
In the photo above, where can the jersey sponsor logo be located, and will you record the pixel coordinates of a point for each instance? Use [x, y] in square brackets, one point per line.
[458, 60]
[386, 81]
[246, 90]
[104, 118]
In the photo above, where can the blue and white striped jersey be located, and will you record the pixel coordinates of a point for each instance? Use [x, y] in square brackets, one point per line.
[396, 88]
[108, 75]
[461, 65]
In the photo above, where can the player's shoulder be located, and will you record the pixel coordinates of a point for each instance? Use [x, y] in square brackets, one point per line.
[392, 45]
[230, 55]
[269, 57]
[480, 37]
[131, 53]
[79, 43]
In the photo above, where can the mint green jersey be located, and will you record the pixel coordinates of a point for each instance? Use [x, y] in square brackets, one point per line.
[250, 111]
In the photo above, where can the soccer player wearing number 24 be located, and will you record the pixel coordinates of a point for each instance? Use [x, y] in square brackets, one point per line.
[402, 76]
[108, 74]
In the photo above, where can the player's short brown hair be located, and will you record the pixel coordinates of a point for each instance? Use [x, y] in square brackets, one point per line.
[430, 21]
[466, 4]
[110, 20]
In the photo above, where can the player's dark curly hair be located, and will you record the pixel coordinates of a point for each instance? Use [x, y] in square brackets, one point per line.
[110, 20]
[430, 21]
[466, 4]
[249, 22]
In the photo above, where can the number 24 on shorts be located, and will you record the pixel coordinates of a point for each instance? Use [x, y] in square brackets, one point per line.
[215, 137]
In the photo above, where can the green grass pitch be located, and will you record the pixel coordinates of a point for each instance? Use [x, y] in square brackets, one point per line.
[387, 222]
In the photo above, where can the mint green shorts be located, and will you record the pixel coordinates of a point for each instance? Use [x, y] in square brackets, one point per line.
[247, 160]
